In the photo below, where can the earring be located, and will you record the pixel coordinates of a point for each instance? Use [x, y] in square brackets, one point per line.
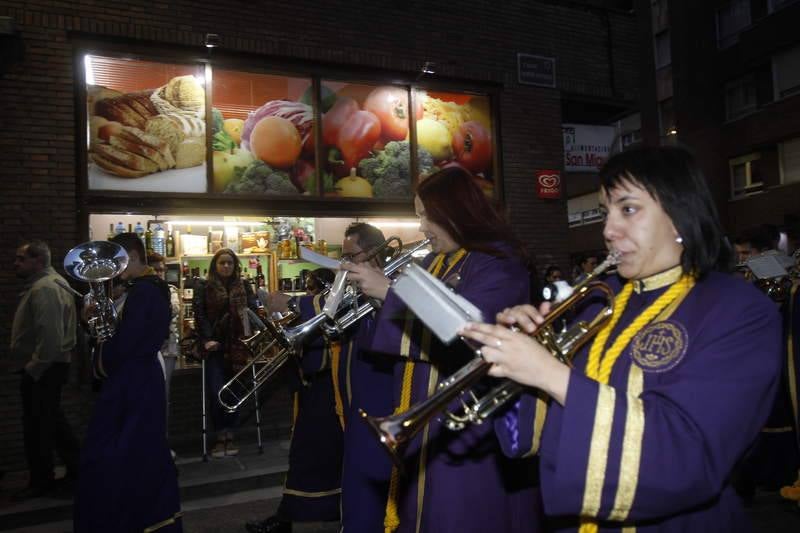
[679, 239]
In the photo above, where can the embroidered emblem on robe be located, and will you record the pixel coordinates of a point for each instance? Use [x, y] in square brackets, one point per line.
[660, 346]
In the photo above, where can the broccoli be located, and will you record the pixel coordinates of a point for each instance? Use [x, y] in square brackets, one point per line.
[388, 171]
[218, 122]
[389, 188]
[260, 178]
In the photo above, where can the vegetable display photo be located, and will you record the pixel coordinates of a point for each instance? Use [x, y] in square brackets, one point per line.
[146, 126]
[146, 129]
[262, 134]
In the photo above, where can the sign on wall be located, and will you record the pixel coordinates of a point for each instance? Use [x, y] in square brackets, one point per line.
[586, 147]
[548, 184]
[536, 70]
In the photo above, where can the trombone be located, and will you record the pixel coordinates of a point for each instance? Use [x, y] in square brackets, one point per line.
[396, 430]
[274, 344]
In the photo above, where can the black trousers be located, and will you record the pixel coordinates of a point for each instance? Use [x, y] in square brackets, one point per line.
[45, 427]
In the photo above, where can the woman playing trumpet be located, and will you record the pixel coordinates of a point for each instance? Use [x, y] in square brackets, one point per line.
[455, 481]
[644, 430]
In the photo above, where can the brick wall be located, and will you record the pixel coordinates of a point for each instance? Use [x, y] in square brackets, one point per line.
[473, 40]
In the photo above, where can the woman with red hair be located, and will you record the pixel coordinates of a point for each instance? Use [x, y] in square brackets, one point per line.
[456, 481]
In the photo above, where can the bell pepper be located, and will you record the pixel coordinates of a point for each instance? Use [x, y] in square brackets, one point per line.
[337, 117]
[357, 137]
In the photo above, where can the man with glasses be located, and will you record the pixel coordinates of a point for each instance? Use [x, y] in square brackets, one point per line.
[332, 455]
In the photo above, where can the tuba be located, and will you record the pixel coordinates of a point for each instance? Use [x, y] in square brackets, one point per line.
[396, 430]
[274, 344]
[97, 263]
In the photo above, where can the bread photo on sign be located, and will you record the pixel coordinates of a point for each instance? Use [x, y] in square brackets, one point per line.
[136, 134]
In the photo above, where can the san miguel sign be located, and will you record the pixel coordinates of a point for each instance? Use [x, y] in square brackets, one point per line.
[548, 184]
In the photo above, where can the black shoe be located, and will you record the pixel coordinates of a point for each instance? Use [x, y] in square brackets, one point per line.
[270, 525]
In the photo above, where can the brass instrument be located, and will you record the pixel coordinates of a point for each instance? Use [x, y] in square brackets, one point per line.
[97, 263]
[396, 430]
[357, 311]
[273, 345]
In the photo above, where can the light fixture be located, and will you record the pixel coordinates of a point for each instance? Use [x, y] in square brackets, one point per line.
[672, 131]
[429, 67]
[213, 40]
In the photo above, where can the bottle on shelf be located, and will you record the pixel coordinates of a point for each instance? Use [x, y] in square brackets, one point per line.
[260, 280]
[170, 245]
[111, 232]
[130, 227]
[148, 239]
[139, 230]
[119, 228]
[209, 242]
[159, 239]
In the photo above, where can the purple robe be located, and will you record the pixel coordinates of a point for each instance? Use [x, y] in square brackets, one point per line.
[457, 481]
[365, 381]
[313, 483]
[127, 479]
[656, 447]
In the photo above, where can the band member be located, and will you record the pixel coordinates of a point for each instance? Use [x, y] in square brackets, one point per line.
[127, 479]
[313, 483]
[455, 481]
[644, 430]
[792, 369]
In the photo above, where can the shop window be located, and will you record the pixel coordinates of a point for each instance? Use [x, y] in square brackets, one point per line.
[584, 209]
[146, 125]
[262, 134]
[663, 49]
[786, 67]
[745, 174]
[731, 20]
[789, 152]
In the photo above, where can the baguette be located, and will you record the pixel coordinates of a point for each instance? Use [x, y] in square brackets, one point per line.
[117, 170]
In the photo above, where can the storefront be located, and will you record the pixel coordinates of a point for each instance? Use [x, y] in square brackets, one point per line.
[198, 154]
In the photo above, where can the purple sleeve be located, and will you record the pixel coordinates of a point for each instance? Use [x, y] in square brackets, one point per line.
[694, 422]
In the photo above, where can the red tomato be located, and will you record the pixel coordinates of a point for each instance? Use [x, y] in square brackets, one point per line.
[337, 117]
[472, 146]
[390, 105]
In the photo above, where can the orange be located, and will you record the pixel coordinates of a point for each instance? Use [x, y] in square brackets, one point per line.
[276, 142]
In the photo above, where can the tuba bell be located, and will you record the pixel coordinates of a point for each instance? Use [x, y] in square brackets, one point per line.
[396, 430]
[97, 263]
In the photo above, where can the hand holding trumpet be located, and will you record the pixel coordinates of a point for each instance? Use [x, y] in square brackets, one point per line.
[369, 278]
[516, 355]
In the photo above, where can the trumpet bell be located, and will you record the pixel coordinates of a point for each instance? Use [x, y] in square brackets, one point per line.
[96, 261]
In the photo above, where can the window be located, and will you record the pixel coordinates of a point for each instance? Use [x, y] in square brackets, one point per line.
[731, 20]
[666, 116]
[663, 47]
[745, 174]
[747, 94]
[789, 152]
[786, 67]
[775, 5]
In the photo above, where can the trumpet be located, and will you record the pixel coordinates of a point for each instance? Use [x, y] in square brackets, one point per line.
[357, 311]
[97, 263]
[274, 344]
[396, 430]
